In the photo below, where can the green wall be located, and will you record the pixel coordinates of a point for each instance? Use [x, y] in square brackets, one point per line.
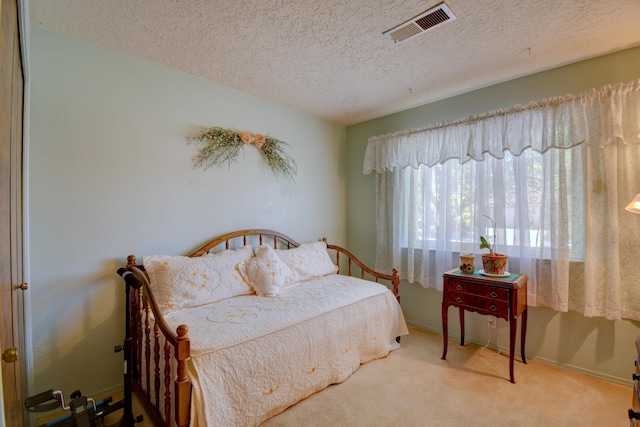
[594, 346]
[110, 174]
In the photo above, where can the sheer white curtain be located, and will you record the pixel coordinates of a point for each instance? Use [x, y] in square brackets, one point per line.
[554, 175]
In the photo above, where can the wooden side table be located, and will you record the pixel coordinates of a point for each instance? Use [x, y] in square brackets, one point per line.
[504, 297]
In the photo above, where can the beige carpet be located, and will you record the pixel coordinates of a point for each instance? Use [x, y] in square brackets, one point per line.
[414, 387]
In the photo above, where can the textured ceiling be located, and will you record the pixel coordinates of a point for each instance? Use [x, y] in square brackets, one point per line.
[329, 58]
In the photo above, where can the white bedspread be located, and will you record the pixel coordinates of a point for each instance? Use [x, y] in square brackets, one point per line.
[252, 357]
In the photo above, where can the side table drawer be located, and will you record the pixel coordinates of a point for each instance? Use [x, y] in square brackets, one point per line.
[485, 291]
[479, 303]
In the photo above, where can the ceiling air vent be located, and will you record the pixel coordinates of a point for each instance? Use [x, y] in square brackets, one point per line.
[429, 20]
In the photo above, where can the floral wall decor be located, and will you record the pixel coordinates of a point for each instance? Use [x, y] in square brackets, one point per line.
[219, 145]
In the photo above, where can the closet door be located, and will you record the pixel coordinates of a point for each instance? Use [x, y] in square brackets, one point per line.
[12, 287]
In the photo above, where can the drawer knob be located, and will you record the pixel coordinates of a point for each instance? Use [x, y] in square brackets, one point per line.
[493, 294]
[458, 299]
[459, 287]
[493, 307]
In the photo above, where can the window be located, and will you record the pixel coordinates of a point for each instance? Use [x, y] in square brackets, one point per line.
[451, 199]
[555, 176]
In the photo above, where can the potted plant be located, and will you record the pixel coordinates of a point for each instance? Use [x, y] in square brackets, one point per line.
[493, 264]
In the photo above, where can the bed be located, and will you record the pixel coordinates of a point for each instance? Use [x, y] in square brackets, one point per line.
[251, 323]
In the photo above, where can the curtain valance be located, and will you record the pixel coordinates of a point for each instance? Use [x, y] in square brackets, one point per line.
[597, 118]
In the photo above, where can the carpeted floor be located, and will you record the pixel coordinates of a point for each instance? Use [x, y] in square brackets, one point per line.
[414, 387]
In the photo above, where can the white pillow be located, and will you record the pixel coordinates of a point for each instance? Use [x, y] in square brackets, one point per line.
[266, 272]
[180, 281]
[308, 260]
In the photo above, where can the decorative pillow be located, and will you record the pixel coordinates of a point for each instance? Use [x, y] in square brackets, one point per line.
[308, 260]
[180, 281]
[266, 272]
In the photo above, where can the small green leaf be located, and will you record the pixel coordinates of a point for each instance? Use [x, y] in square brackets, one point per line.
[484, 244]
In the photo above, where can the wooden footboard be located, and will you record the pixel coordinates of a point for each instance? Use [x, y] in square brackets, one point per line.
[160, 355]
[345, 261]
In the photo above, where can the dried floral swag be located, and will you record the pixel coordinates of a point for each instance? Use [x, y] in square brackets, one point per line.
[223, 145]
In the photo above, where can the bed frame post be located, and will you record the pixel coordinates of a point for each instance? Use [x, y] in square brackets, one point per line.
[182, 385]
[396, 282]
[134, 303]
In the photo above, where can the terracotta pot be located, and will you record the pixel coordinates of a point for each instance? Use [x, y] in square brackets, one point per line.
[494, 264]
[466, 263]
